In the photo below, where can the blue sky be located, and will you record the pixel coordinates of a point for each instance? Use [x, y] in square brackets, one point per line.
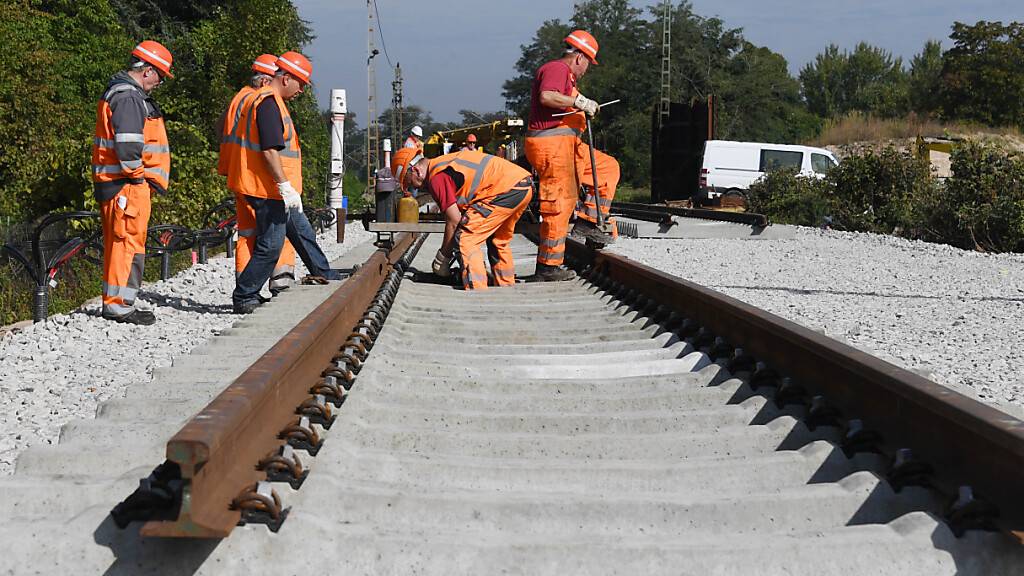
[457, 53]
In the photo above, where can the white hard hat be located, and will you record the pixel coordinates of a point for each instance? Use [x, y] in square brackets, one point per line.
[417, 131]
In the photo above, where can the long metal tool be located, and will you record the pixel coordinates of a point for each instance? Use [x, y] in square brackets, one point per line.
[593, 170]
[599, 106]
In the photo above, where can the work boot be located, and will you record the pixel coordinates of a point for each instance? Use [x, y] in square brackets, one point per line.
[140, 317]
[547, 273]
[586, 230]
[246, 307]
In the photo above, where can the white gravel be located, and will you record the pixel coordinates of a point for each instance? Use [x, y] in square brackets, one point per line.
[952, 315]
[54, 372]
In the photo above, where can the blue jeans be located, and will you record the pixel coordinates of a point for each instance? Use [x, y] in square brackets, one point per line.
[273, 223]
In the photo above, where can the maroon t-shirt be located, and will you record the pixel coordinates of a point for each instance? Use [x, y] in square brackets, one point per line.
[554, 76]
[442, 188]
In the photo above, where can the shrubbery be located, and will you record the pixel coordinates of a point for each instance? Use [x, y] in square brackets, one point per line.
[980, 207]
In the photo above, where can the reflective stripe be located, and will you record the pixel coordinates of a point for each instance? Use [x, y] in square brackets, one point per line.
[305, 72]
[156, 149]
[119, 88]
[129, 165]
[471, 279]
[153, 55]
[287, 153]
[553, 243]
[583, 41]
[504, 273]
[602, 201]
[238, 115]
[267, 67]
[103, 142]
[129, 137]
[559, 131]
[483, 210]
[126, 293]
[107, 168]
[510, 199]
[159, 172]
[114, 309]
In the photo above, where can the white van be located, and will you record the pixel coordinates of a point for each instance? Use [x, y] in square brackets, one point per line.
[731, 167]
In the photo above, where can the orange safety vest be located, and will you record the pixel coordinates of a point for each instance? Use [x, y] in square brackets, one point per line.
[231, 119]
[247, 169]
[156, 152]
[483, 176]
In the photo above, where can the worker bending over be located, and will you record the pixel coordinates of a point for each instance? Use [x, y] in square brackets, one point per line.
[482, 197]
[265, 167]
[130, 158]
[561, 158]
[283, 275]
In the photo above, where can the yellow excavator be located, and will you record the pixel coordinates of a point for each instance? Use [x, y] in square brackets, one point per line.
[501, 137]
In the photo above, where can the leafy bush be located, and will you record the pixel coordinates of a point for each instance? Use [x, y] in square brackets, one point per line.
[789, 198]
[878, 192]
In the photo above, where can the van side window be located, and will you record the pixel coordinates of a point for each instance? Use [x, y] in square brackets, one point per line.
[821, 164]
[780, 159]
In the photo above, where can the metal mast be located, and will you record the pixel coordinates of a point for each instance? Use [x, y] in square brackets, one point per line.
[397, 130]
[372, 127]
[666, 61]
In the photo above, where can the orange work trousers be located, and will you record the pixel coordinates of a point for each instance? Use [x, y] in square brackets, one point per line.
[491, 222]
[245, 223]
[125, 219]
[562, 163]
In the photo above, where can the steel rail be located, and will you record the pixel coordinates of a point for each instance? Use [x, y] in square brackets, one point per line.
[217, 450]
[748, 218]
[961, 440]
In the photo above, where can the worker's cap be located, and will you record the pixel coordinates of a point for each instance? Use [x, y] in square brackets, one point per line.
[155, 54]
[265, 64]
[471, 138]
[297, 65]
[401, 161]
[584, 42]
[416, 131]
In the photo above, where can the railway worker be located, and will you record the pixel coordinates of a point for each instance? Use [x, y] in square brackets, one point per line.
[415, 139]
[283, 275]
[561, 158]
[470, 142]
[482, 197]
[265, 168]
[131, 158]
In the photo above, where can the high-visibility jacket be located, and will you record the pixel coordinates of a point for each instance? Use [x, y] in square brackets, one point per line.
[411, 142]
[130, 141]
[478, 177]
[231, 119]
[247, 169]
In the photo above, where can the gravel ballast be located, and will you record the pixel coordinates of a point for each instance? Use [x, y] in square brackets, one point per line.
[952, 315]
[57, 371]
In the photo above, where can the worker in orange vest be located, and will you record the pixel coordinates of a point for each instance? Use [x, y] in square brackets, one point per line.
[130, 158]
[482, 198]
[415, 139]
[264, 68]
[561, 158]
[265, 167]
[470, 142]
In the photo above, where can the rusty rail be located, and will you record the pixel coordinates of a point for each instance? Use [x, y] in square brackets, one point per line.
[218, 449]
[955, 440]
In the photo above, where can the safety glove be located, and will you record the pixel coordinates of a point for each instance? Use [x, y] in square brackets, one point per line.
[586, 104]
[292, 200]
[442, 265]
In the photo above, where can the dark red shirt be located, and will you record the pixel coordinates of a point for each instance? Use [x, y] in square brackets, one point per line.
[442, 188]
[554, 76]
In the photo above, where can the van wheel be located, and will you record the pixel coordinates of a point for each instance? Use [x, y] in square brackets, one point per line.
[734, 198]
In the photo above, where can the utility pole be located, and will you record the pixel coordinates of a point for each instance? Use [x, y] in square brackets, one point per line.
[666, 62]
[372, 127]
[397, 130]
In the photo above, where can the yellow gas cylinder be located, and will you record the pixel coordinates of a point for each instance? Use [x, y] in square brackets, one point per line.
[408, 210]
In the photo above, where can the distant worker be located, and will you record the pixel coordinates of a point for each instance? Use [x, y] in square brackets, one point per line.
[482, 198]
[130, 158]
[470, 142]
[266, 169]
[562, 159]
[283, 275]
[415, 139]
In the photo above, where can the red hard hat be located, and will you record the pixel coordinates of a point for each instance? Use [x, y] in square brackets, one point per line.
[400, 162]
[154, 53]
[584, 42]
[265, 64]
[471, 138]
[297, 65]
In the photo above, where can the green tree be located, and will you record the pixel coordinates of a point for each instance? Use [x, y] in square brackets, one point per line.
[983, 73]
[868, 79]
[926, 79]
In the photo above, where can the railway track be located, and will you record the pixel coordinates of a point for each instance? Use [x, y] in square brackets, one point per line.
[606, 425]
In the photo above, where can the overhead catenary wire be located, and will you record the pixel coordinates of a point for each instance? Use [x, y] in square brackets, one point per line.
[380, 31]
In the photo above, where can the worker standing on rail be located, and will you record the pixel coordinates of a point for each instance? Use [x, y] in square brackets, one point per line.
[130, 158]
[283, 275]
[562, 159]
[265, 167]
[482, 198]
[415, 139]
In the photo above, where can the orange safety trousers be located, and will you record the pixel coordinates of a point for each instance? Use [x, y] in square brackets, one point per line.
[125, 219]
[245, 224]
[562, 163]
[491, 222]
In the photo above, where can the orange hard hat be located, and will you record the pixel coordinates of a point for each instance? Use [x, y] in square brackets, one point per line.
[471, 138]
[297, 65]
[265, 64]
[155, 54]
[584, 42]
[401, 161]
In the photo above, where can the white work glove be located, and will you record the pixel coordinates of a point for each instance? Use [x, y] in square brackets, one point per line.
[292, 200]
[442, 265]
[586, 104]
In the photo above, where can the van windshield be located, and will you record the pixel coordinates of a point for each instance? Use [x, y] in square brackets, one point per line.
[781, 159]
[821, 163]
